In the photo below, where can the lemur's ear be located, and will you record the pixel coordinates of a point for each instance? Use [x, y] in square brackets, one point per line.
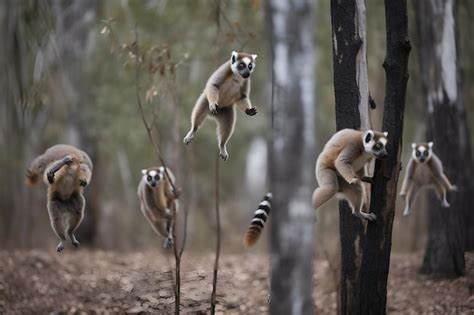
[234, 56]
[143, 172]
[254, 57]
[430, 144]
[369, 136]
[413, 145]
[385, 133]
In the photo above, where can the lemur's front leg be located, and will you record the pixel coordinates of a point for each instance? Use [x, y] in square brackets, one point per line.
[57, 166]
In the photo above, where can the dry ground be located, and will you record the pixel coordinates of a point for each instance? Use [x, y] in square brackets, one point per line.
[111, 282]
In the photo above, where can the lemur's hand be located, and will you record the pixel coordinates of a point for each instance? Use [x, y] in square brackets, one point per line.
[50, 176]
[251, 111]
[453, 188]
[177, 192]
[68, 159]
[367, 179]
[214, 108]
[354, 180]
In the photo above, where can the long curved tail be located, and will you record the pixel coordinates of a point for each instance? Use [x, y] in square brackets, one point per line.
[258, 221]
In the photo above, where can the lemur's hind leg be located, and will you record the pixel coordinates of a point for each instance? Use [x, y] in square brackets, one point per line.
[440, 190]
[169, 240]
[73, 217]
[225, 119]
[355, 195]
[54, 211]
[410, 198]
[200, 112]
[328, 186]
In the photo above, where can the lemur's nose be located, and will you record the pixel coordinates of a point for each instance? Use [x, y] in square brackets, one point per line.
[153, 184]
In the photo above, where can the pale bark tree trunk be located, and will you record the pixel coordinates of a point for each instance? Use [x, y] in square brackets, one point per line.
[292, 155]
[352, 111]
[447, 128]
[378, 238]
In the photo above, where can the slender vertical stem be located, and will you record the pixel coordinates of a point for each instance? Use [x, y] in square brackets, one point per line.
[218, 239]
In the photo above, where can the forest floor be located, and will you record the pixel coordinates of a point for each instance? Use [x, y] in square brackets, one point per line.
[110, 282]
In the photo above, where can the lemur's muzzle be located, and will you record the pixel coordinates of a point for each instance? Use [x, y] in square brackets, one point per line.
[422, 159]
[153, 184]
[245, 74]
[382, 155]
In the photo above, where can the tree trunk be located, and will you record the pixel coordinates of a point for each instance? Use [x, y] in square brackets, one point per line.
[352, 111]
[378, 238]
[447, 128]
[292, 155]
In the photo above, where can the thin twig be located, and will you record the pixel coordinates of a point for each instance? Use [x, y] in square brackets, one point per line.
[218, 240]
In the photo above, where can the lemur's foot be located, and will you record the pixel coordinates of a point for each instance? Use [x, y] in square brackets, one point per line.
[224, 155]
[251, 111]
[60, 247]
[75, 243]
[403, 195]
[445, 203]
[406, 212]
[189, 137]
[367, 179]
[168, 243]
[454, 188]
[214, 108]
[366, 216]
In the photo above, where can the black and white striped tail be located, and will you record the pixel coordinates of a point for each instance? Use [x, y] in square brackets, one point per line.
[258, 222]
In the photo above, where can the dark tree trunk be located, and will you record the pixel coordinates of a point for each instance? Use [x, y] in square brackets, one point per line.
[292, 155]
[378, 237]
[447, 128]
[352, 111]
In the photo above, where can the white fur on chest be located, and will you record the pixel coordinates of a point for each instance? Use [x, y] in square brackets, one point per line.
[229, 91]
[360, 162]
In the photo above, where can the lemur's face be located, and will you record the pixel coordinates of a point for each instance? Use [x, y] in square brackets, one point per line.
[421, 152]
[375, 142]
[242, 64]
[153, 176]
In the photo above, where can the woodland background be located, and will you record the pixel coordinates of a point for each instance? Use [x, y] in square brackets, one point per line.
[69, 76]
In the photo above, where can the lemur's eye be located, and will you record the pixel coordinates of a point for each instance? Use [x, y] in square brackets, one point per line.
[425, 153]
[418, 153]
[377, 146]
[157, 177]
[241, 65]
[148, 178]
[250, 66]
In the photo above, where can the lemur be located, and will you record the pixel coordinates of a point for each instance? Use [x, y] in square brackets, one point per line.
[340, 168]
[159, 202]
[229, 85]
[258, 221]
[424, 169]
[66, 170]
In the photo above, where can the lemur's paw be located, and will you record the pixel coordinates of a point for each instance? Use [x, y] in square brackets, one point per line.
[76, 243]
[224, 155]
[83, 182]
[354, 180]
[445, 204]
[407, 212]
[187, 140]
[168, 243]
[50, 176]
[370, 216]
[214, 108]
[60, 247]
[367, 179]
[68, 159]
[454, 188]
[251, 111]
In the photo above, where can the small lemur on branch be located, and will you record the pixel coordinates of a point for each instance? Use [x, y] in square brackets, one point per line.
[341, 166]
[66, 170]
[159, 202]
[424, 169]
[229, 85]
